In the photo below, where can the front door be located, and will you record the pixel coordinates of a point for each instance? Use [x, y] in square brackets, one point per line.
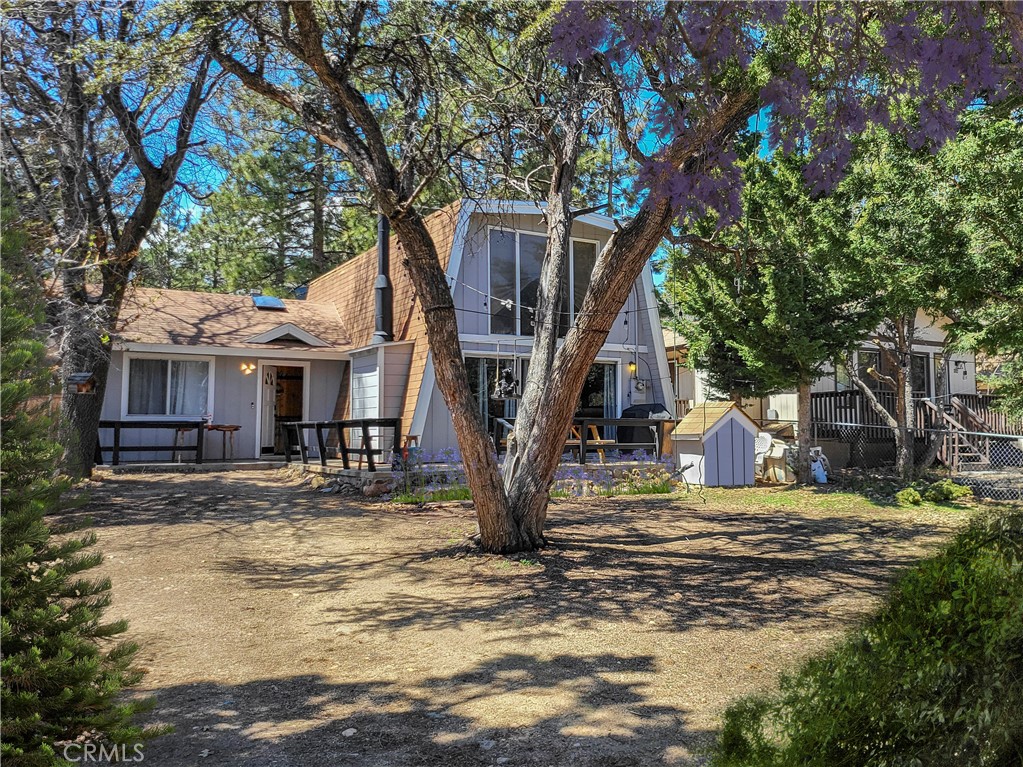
[283, 401]
[268, 420]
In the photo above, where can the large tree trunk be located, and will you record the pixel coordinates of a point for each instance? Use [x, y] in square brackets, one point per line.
[805, 437]
[498, 531]
[82, 350]
[534, 495]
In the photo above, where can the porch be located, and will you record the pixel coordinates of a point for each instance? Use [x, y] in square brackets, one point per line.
[380, 444]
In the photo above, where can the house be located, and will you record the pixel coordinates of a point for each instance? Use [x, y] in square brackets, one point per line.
[692, 387]
[239, 360]
[356, 347]
[492, 252]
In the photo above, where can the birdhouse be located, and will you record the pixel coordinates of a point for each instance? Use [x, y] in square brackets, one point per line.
[82, 383]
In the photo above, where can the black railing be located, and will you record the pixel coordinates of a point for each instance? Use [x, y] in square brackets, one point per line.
[179, 426]
[293, 434]
[601, 435]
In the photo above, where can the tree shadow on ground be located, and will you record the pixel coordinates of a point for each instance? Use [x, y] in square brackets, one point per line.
[668, 566]
[515, 709]
[223, 499]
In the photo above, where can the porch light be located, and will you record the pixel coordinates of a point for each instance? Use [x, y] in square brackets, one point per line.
[248, 368]
[632, 369]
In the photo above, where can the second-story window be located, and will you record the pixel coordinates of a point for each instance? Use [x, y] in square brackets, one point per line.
[516, 260]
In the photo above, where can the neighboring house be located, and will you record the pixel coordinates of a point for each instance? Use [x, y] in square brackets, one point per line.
[184, 354]
[693, 389]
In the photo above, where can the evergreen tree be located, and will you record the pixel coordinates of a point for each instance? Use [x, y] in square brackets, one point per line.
[766, 302]
[986, 163]
[63, 667]
[909, 247]
[285, 212]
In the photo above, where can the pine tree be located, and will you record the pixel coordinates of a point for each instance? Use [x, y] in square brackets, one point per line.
[767, 303]
[63, 667]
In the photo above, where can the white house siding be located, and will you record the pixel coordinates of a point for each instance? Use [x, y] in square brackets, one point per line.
[234, 402]
[397, 359]
[366, 384]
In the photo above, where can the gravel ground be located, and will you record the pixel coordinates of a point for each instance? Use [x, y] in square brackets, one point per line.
[282, 626]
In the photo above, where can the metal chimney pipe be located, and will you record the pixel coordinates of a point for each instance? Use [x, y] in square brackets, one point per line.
[382, 288]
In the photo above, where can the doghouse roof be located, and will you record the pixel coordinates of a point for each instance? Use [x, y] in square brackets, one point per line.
[706, 418]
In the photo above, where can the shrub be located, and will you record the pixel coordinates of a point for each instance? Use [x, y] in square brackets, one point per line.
[945, 490]
[934, 678]
[62, 666]
[908, 497]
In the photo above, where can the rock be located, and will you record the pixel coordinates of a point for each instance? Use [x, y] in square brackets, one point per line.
[349, 732]
[486, 745]
[377, 488]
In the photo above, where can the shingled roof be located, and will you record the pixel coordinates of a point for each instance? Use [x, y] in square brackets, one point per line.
[350, 287]
[188, 318]
[702, 418]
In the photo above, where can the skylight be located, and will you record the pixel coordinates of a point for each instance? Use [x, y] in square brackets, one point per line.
[269, 302]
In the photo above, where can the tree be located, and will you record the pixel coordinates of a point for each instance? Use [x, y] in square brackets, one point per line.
[984, 167]
[766, 302]
[405, 92]
[908, 246]
[94, 146]
[286, 211]
[62, 668]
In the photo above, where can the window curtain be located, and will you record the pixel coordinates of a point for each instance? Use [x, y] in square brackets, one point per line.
[189, 385]
[147, 387]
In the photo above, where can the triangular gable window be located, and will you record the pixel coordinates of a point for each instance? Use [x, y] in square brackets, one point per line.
[287, 332]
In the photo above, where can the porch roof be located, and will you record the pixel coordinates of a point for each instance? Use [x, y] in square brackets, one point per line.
[215, 320]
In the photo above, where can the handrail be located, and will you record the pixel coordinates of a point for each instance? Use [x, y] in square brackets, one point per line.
[366, 449]
[178, 423]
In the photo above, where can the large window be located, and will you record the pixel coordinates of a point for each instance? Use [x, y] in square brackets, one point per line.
[482, 373]
[516, 260]
[168, 387]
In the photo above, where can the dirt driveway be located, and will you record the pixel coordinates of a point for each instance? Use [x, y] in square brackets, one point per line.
[285, 627]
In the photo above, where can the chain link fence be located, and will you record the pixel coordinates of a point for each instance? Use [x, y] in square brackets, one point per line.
[990, 464]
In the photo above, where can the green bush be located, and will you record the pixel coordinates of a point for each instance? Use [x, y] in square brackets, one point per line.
[934, 678]
[62, 668]
[908, 497]
[440, 495]
[945, 490]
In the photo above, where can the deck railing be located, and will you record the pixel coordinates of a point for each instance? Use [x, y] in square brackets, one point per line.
[360, 430]
[982, 407]
[180, 427]
[608, 431]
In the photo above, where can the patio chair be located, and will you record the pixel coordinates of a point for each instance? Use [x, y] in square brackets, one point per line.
[761, 446]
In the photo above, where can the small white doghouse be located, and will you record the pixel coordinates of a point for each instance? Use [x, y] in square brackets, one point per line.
[717, 439]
